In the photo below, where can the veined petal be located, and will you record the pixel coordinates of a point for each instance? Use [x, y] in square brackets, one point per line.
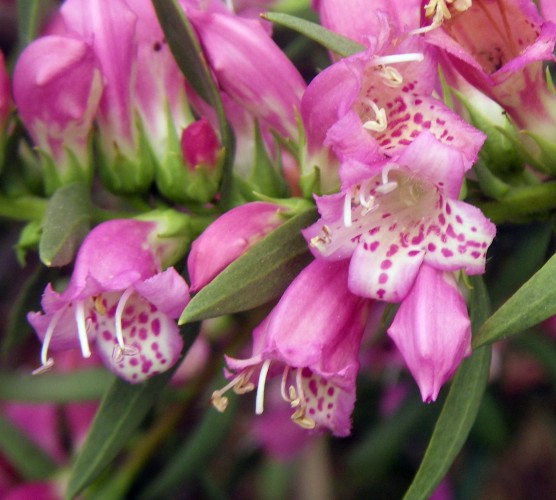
[432, 330]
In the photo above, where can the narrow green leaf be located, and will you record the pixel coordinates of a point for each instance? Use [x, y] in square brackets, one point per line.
[259, 275]
[532, 303]
[336, 43]
[181, 39]
[66, 222]
[460, 409]
[29, 460]
[82, 385]
[120, 413]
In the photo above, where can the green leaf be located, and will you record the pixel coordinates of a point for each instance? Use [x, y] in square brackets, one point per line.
[336, 43]
[28, 459]
[259, 275]
[534, 302]
[28, 14]
[82, 385]
[66, 222]
[460, 409]
[181, 38]
[120, 413]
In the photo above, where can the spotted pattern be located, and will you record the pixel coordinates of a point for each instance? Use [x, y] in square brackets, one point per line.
[391, 234]
[327, 404]
[152, 341]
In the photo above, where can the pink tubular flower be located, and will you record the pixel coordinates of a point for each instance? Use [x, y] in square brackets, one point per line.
[500, 48]
[374, 104]
[392, 217]
[250, 68]
[118, 297]
[432, 330]
[57, 86]
[228, 237]
[313, 342]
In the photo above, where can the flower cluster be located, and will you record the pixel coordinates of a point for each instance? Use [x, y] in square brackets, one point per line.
[340, 208]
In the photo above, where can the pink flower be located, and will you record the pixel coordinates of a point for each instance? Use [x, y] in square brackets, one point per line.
[313, 342]
[374, 104]
[432, 330]
[500, 49]
[118, 297]
[392, 217]
[57, 86]
[251, 68]
[200, 145]
[228, 237]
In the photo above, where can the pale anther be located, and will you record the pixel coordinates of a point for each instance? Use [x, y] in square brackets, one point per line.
[380, 123]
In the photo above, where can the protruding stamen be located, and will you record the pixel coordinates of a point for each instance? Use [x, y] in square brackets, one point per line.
[347, 208]
[381, 122]
[239, 384]
[439, 10]
[397, 58]
[259, 404]
[82, 329]
[46, 362]
[285, 373]
[118, 320]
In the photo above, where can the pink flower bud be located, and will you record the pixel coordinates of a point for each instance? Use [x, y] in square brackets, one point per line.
[199, 144]
[57, 87]
[228, 237]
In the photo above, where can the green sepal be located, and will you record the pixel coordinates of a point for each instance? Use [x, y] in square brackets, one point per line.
[173, 232]
[338, 44]
[258, 276]
[66, 222]
[185, 183]
[491, 185]
[293, 206]
[310, 183]
[534, 302]
[266, 176]
[56, 176]
[460, 408]
[498, 153]
[547, 151]
[122, 174]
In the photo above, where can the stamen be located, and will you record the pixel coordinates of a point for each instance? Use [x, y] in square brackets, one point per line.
[285, 373]
[398, 58]
[439, 10]
[391, 76]
[321, 239]
[46, 362]
[82, 329]
[347, 208]
[381, 122]
[387, 186]
[118, 320]
[239, 384]
[259, 404]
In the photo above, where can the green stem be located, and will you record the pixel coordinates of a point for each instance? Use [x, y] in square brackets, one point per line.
[521, 202]
[25, 208]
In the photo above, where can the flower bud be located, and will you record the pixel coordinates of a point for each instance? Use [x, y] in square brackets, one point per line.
[57, 87]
